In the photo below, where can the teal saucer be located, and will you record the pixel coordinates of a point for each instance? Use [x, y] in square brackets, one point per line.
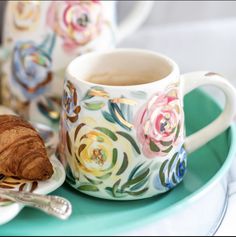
[93, 216]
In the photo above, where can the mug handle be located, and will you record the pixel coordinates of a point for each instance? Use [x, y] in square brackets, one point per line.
[135, 19]
[196, 79]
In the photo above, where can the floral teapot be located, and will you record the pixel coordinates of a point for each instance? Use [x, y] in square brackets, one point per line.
[42, 37]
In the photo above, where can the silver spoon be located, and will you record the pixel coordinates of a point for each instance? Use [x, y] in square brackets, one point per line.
[52, 205]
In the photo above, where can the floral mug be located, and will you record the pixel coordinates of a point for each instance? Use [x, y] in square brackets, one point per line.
[42, 37]
[122, 134]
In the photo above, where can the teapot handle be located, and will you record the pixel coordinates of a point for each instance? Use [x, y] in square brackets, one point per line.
[135, 19]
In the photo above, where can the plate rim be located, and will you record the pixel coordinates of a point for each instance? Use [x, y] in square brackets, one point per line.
[19, 207]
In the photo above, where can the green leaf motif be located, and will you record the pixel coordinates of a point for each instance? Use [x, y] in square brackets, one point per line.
[88, 188]
[87, 97]
[163, 179]
[108, 132]
[94, 182]
[115, 187]
[140, 185]
[94, 106]
[141, 171]
[88, 94]
[114, 159]
[114, 156]
[131, 140]
[136, 180]
[174, 179]
[169, 143]
[124, 165]
[168, 149]
[162, 174]
[134, 171]
[177, 132]
[139, 193]
[153, 147]
[108, 117]
[118, 193]
[133, 187]
[104, 177]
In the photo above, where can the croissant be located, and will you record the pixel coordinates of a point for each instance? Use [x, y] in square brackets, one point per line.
[22, 150]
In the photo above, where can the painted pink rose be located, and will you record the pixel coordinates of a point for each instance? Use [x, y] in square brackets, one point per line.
[158, 124]
[76, 22]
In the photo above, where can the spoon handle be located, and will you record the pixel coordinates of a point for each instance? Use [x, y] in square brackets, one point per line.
[52, 205]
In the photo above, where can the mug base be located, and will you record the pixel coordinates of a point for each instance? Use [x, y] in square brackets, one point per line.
[105, 196]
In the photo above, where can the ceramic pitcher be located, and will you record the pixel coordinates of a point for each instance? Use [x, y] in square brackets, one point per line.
[42, 37]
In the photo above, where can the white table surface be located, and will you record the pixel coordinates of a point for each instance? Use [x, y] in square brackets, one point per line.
[209, 45]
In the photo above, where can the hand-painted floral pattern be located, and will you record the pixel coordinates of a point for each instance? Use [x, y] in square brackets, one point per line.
[99, 150]
[136, 185]
[172, 171]
[26, 14]
[95, 149]
[31, 69]
[95, 158]
[158, 124]
[95, 98]
[76, 22]
[71, 102]
[95, 152]
[119, 109]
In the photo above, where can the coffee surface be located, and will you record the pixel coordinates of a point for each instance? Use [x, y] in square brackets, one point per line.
[121, 79]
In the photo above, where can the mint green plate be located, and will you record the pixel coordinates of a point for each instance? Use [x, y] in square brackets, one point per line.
[99, 217]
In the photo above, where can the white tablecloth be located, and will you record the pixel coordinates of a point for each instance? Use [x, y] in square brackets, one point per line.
[197, 46]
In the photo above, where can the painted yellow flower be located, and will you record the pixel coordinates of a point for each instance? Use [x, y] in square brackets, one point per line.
[97, 153]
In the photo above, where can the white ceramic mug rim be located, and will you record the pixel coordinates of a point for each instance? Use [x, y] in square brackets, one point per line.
[175, 72]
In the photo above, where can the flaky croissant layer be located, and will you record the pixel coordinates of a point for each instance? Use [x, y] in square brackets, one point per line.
[22, 150]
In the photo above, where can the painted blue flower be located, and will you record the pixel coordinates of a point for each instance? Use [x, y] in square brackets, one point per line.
[31, 69]
[172, 171]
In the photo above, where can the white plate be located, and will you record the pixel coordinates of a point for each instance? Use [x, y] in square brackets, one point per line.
[9, 211]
